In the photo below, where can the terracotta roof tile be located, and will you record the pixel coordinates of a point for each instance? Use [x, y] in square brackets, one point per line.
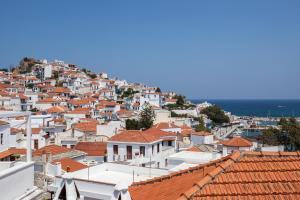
[251, 175]
[194, 148]
[70, 164]
[238, 176]
[201, 133]
[165, 125]
[176, 185]
[57, 109]
[36, 130]
[61, 90]
[92, 148]
[134, 136]
[237, 142]
[86, 126]
[12, 151]
[53, 149]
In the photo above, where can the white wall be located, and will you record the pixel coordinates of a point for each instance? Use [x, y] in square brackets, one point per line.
[109, 129]
[5, 131]
[157, 158]
[162, 116]
[16, 181]
[197, 139]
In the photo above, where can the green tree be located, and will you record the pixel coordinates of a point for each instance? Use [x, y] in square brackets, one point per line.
[180, 100]
[216, 114]
[201, 125]
[270, 136]
[92, 76]
[30, 85]
[146, 117]
[132, 124]
[288, 134]
[4, 69]
[158, 90]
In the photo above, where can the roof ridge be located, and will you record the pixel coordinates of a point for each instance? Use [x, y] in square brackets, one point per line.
[271, 153]
[211, 175]
[189, 170]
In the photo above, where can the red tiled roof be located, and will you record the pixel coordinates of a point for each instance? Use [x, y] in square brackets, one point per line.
[57, 109]
[86, 126]
[53, 149]
[253, 175]
[17, 151]
[73, 165]
[171, 186]
[92, 148]
[246, 175]
[202, 133]
[186, 130]
[165, 125]
[14, 131]
[159, 133]
[3, 123]
[171, 100]
[85, 111]
[35, 130]
[134, 136]
[48, 100]
[78, 102]
[61, 90]
[193, 148]
[5, 154]
[11, 151]
[237, 142]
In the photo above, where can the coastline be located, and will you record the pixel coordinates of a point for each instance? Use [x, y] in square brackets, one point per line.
[260, 108]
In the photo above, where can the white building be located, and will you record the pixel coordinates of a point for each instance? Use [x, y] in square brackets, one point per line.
[106, 181]
[17, 178]
[154, 99]
[234, 144]
[203, 137]
[187, 158]
[141, 148]
[162, 116]
[4, 135]
[110, 129]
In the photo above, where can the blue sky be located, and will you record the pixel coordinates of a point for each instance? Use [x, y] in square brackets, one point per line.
[203, 49]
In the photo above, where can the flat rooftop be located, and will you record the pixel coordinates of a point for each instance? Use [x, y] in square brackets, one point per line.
[111, 173]
[192, 157]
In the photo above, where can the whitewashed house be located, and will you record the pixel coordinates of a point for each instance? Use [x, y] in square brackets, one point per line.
[203, 137]
[154, 99]
[141, 148]
[4, 135]
[234, 144]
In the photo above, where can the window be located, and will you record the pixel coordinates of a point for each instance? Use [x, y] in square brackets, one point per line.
[142, 150]
[158, 148]
[129, 152]
[116, 149]
[152, 149]
[169, 143]
[1, 138]
[36, 144]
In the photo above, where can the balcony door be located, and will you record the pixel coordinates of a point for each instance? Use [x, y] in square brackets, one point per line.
[129, 152]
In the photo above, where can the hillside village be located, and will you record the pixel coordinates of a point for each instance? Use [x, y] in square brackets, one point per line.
[97, 137]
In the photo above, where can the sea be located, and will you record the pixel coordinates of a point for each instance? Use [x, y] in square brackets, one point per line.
[257, 108]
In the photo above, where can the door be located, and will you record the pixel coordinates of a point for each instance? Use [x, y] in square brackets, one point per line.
[142, 150]
[129, 152]
[36, 144]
